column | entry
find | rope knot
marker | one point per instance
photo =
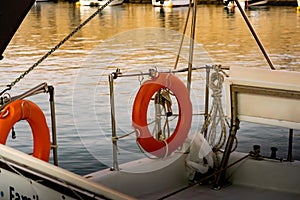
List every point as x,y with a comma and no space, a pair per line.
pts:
216,82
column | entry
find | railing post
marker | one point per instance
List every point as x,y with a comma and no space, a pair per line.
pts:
191,50
206,98
53,123
234,126
111,78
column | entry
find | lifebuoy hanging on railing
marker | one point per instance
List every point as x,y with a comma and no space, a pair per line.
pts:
27,110
140,108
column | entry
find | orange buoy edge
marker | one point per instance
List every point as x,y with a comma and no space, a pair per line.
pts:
27,110
139,114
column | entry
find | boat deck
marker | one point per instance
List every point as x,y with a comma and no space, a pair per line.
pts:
230,192
249,180
227,193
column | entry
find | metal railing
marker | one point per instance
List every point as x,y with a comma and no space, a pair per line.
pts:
152,72
41,88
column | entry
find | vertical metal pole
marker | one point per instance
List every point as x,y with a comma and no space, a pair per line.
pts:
233,129
191,53
113,123
290,147
206,98
53,122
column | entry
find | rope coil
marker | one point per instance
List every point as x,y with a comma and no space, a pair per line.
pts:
216,115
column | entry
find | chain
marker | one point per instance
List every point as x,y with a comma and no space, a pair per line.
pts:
10,86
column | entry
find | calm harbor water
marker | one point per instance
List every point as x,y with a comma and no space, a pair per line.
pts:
135,38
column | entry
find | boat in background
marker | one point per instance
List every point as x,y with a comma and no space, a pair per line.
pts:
252,3
39,1
170,3
230,4
98,2
186,164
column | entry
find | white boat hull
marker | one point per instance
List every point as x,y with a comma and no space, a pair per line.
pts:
148,178
245,4
170,3
27,177
18,187
99,3
259,3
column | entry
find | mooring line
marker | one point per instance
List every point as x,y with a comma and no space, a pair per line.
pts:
203,179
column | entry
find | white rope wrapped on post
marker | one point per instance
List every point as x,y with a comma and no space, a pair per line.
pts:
216,116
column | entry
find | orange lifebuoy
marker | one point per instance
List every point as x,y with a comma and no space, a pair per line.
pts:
139,114
24,109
